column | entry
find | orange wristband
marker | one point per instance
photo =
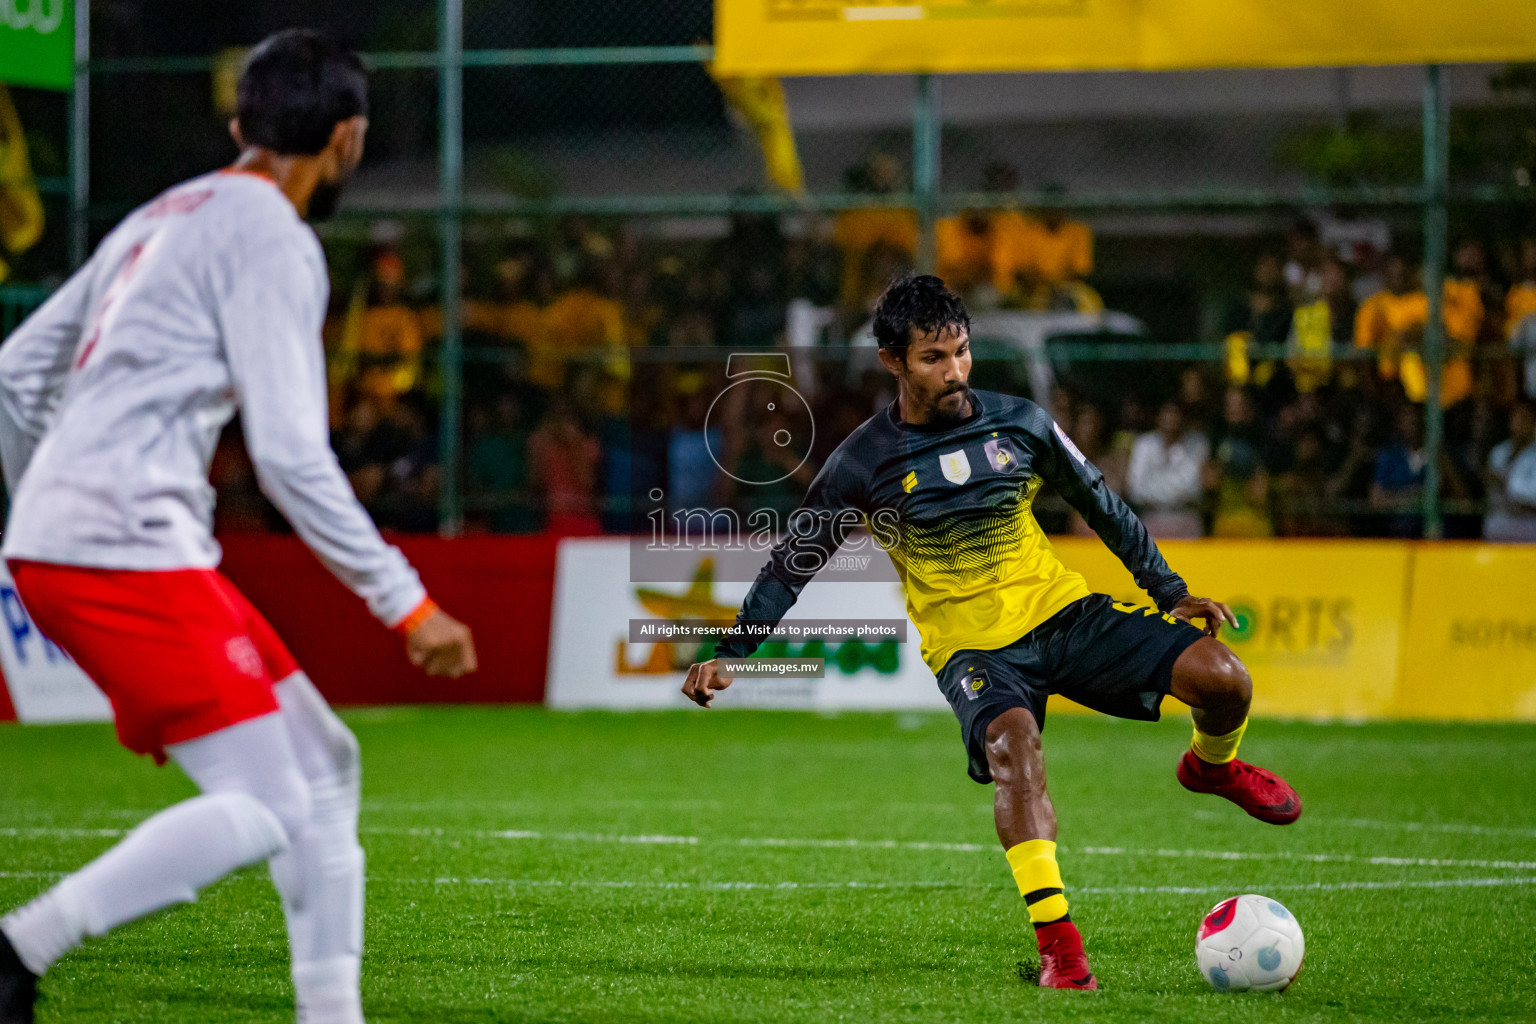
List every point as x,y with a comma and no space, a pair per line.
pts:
421,613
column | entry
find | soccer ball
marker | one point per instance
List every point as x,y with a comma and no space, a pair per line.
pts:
1249,942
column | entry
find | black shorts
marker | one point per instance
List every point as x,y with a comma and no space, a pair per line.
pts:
1113,658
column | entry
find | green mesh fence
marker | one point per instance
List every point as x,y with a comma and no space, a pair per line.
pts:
607,187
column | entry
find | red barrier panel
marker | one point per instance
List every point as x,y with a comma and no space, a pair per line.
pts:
7,709
501,587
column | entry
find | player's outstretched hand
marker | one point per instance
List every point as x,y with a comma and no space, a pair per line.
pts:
704,680
1213,613
442,646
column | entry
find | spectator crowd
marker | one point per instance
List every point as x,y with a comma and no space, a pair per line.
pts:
594,357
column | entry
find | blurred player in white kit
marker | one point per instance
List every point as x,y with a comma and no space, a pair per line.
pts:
112,397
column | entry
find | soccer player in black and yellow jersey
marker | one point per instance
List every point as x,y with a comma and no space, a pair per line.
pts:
1003,622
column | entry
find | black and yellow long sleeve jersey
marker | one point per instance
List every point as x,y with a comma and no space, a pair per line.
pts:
952,506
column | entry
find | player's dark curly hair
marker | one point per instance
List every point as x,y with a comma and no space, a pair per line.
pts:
296,87
921,301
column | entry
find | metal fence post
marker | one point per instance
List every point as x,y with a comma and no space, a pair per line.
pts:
80,140
1436,171
450,63
926,137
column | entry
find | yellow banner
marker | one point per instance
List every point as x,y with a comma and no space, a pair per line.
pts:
1321,621
1470,646
762,105
818,37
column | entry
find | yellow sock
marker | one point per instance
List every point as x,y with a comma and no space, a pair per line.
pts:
1039,878
1218,749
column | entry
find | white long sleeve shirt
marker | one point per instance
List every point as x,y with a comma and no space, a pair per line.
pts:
114,392
1515,469
1164,477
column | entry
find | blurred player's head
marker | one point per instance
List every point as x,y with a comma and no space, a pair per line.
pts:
924,334
304,98
1170,422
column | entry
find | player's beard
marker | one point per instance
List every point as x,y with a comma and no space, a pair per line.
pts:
941,416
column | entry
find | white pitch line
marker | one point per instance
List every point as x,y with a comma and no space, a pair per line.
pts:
869,844
1404,883
1314,858
1453,828
559,883
671,840
1116,890
373,804
1450,827
41,831
557,837
389,806
894,844
767,842
1112,890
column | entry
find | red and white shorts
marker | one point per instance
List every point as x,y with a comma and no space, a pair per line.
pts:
180,654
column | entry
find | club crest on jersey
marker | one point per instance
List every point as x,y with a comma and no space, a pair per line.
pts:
242,654
956,467
973,682
1001,456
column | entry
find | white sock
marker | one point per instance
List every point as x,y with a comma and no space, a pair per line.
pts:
161,863
320,877
44,930
327,991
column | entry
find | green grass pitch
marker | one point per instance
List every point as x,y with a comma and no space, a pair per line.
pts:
743,866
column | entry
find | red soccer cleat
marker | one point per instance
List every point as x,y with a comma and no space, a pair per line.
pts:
1261,793
1063,964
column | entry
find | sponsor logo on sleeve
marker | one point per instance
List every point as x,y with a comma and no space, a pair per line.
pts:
1062,434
